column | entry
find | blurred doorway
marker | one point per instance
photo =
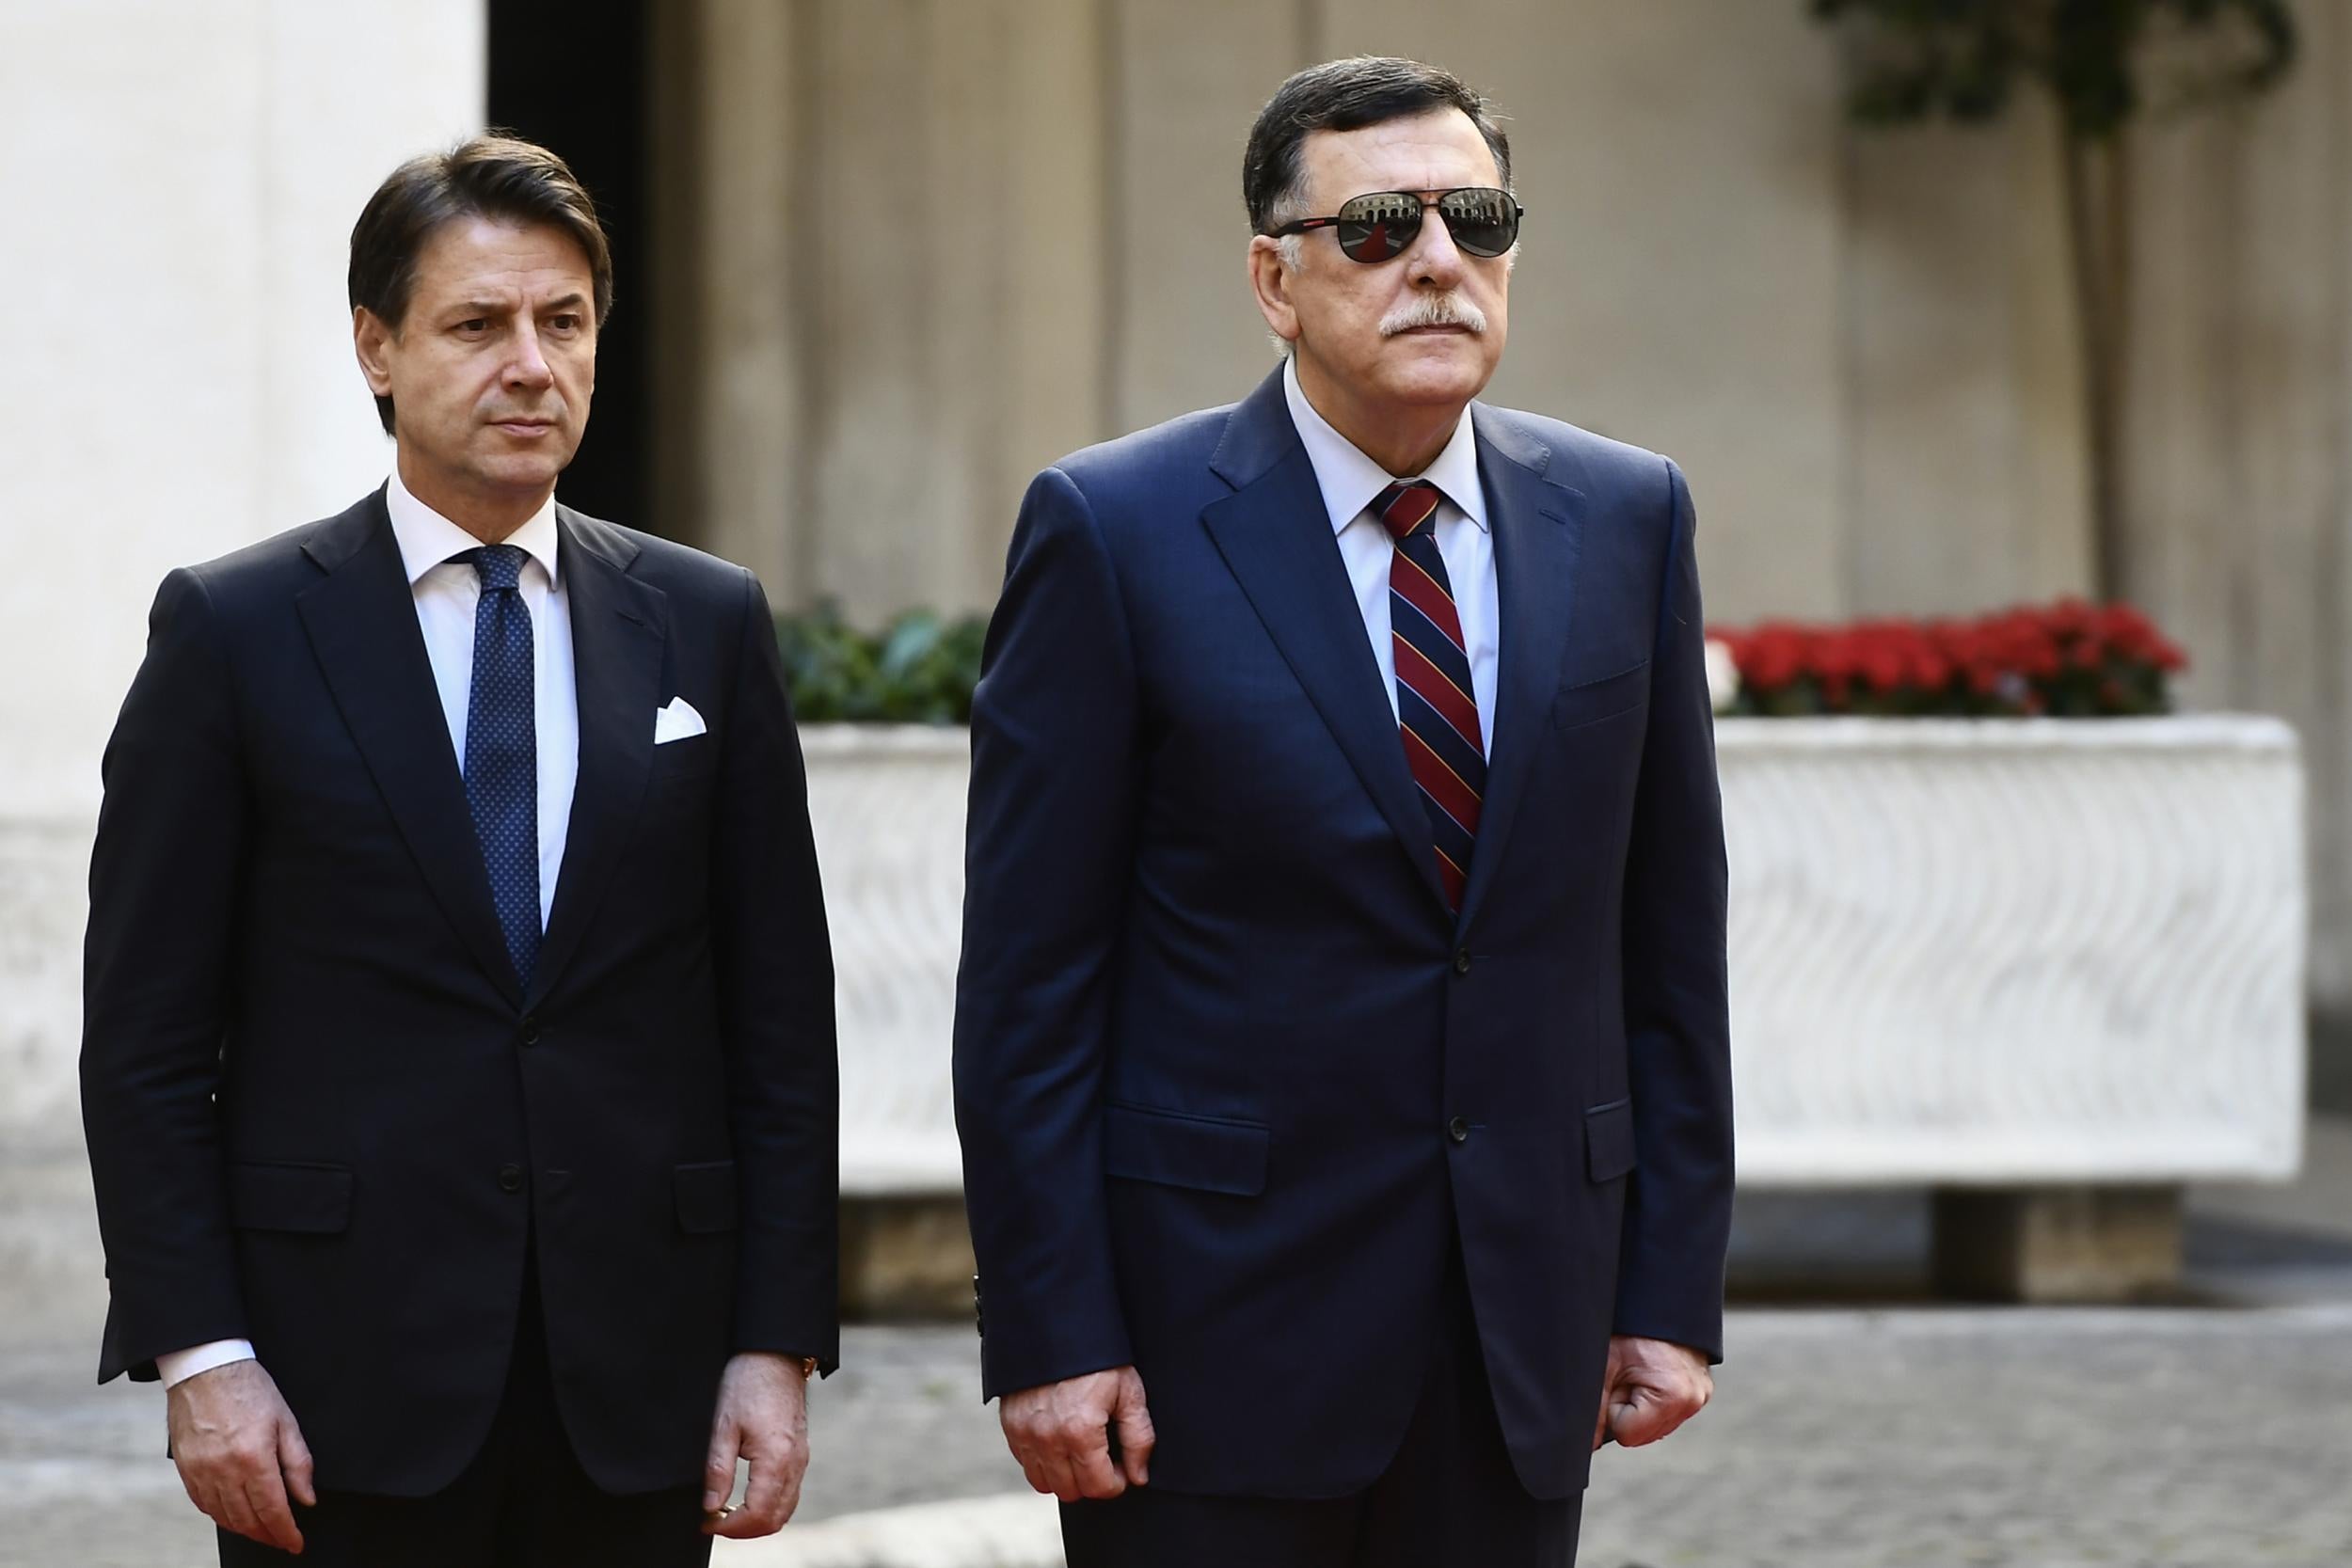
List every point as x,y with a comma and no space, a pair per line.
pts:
570,74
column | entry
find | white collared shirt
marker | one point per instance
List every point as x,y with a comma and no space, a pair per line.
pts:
446,594
1351,481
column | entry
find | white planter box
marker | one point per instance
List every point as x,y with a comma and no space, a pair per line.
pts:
1995,951
2015,951
887,805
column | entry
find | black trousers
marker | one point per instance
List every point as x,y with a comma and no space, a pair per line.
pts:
1449,1500
523,1502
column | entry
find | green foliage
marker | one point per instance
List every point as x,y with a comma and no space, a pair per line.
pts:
920,670
2104,60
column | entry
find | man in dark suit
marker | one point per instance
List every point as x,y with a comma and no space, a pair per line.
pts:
1341,1047
458,1058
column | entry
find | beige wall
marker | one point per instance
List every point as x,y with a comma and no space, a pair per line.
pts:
1857,344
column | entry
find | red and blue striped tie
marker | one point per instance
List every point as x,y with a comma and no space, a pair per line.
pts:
1435,703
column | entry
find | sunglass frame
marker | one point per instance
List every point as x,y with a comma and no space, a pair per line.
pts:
1427,201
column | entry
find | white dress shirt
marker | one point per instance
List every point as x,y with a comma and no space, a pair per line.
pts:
446,593
1351,481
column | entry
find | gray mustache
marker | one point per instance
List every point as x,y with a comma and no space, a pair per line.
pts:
1446,309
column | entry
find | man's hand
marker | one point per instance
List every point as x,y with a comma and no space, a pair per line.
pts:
1652,1387
240,1453
763,1417
1061,1435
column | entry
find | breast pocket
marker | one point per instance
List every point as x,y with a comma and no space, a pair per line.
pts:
687,759
1591,701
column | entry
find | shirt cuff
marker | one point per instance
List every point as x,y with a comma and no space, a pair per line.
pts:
178,1366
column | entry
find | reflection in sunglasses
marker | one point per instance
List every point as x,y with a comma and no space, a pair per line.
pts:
1381,225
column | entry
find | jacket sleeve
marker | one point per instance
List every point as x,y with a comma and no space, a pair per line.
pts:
1047,865
773,960
155,991
1677,1214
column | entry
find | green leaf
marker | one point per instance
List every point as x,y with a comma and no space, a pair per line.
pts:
921,668
1965,59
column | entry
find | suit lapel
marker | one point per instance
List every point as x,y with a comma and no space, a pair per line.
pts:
1538,526
619,634
361,619
1275,538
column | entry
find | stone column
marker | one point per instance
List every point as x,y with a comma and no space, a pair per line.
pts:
732,227
882,250
1188,80
2238,496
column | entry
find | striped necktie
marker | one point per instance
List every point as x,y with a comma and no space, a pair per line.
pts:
1435,704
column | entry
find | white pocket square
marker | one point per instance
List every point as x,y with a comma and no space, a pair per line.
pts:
677,721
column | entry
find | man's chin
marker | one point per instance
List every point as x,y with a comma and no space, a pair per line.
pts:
1431,379
518,472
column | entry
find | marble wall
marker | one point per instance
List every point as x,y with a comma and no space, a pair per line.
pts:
177,378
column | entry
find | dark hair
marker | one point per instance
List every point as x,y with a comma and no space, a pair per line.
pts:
1349,95
494,175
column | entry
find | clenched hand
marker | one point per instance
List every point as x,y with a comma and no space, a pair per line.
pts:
1653,1387
762,1417
1060,1433
240,1453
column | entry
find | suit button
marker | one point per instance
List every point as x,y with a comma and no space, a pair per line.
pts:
529,1032
1458,1130
1461,962
510,1179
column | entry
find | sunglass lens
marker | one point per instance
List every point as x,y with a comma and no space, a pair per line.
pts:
1375,228
1483,222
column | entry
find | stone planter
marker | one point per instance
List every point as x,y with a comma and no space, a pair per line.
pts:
887,805
2053,968
2015,951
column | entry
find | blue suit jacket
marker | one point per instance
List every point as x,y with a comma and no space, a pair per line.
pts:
1228,1075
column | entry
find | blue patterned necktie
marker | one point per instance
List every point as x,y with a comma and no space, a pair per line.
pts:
502,750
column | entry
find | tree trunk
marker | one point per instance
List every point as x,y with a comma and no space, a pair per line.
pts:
2098,221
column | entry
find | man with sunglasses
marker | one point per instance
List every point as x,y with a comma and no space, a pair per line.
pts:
1341,1053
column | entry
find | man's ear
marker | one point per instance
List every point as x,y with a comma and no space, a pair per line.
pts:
369,338
1271,277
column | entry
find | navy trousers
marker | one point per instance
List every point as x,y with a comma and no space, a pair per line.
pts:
1449,1500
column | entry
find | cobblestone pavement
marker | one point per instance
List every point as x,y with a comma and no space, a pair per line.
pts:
2217,1438
2215,1434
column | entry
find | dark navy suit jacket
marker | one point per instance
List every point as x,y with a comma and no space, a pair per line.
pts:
1230,1077
323,1112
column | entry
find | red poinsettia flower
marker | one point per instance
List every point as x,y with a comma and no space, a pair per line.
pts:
2072,659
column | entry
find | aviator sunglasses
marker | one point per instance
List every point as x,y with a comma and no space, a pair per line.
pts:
1383,224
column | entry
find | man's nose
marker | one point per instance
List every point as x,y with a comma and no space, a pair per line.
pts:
1436,261
529,366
